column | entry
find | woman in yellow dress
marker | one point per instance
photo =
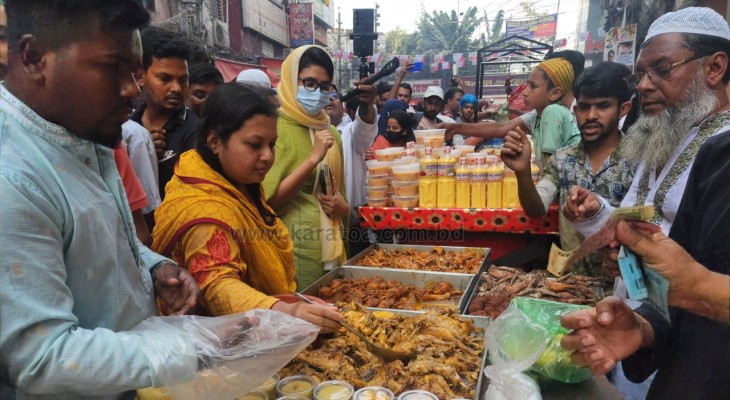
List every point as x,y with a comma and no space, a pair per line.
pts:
214,219
308,145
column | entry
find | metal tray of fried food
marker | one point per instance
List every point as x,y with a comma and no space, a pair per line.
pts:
419,279
355,261
479,322
473,291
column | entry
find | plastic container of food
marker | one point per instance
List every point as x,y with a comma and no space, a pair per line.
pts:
404,189
297,386
389,154
378,167
378,180
255,396
269,387
405,201
333,390
417,395
374,393
464,149
434,141
377,202
439,153
377,192
406,173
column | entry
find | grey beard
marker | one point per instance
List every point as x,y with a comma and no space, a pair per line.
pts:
655,138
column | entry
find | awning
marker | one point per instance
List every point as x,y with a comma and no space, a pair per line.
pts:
230,69
273,64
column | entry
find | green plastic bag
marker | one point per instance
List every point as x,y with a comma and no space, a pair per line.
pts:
534,324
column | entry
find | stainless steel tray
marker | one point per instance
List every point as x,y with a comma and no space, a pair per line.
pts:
420,279
473,289
479,322
392,247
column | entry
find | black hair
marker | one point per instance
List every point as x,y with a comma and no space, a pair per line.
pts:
319,57
226,110
604,80
406,123
451,93
383,87
706,45
159,43
56,23
405,85
205,73
352,103
575,58
199,55
611,52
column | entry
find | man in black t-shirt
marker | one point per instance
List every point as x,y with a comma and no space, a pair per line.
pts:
165,87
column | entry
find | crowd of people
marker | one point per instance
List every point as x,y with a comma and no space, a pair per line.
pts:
135,182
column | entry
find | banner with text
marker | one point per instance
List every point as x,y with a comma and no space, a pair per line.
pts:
493,85
420,86
301,24
533,28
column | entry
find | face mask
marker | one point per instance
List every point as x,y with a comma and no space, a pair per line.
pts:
393,136
313,102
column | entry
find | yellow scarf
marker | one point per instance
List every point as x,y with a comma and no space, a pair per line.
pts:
333,248
287,92
197,194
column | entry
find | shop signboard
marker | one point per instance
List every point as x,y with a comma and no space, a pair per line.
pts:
533,28
301,24
620,45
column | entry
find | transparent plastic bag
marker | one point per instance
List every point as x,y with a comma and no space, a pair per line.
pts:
235,353
526,337
514,342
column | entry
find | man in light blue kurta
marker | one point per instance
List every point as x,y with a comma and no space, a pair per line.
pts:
73,277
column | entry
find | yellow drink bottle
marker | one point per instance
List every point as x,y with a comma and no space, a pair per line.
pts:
479,185
494,183
462,177
510,194
427,184
446,182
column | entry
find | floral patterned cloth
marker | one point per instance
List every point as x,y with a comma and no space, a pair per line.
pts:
571,166
210,227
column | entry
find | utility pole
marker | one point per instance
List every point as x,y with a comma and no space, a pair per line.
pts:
339,48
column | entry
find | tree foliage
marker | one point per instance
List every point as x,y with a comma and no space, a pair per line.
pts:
445,31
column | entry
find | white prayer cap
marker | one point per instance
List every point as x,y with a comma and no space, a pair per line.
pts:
254,77
698,20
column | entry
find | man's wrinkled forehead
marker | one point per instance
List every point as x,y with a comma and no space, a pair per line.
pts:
661,50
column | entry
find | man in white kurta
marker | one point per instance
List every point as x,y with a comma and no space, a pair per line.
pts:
357,137
680,101
680,75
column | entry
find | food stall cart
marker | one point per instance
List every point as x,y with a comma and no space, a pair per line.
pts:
502,230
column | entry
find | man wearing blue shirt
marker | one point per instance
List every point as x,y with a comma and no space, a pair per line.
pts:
74,277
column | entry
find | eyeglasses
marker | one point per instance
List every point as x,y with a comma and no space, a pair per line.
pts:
656,74
311,84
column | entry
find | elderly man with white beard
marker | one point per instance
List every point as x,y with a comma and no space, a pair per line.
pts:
681,76
682,103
